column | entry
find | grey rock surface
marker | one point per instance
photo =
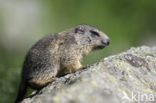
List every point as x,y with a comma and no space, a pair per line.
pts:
129,77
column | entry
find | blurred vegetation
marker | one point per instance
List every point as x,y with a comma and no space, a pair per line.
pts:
127,22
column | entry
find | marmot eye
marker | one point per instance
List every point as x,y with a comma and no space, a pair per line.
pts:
94,33
78,30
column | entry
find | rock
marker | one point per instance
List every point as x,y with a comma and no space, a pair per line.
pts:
129,77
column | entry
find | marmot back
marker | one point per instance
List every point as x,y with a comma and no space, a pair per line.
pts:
56,54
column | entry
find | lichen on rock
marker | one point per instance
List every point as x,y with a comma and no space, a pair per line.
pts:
129,77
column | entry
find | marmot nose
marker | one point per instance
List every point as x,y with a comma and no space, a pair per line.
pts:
106,42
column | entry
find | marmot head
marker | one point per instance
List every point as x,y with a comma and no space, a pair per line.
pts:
91,36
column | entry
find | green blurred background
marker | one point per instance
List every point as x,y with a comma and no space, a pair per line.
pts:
128,23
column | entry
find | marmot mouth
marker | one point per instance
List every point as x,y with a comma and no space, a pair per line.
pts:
99,47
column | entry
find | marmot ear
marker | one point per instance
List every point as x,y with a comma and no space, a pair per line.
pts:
79,30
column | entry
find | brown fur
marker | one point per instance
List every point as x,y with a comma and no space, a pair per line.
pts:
54,54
